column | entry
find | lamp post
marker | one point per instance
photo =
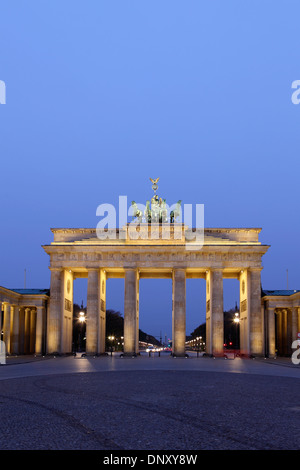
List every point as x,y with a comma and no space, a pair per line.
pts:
237,322
1,322
82,320
111,338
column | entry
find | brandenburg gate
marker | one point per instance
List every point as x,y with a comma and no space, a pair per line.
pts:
153,249
154,245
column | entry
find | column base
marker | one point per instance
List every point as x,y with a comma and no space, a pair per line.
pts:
128,354
180,355
52,354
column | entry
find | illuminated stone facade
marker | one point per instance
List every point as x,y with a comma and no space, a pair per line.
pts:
23,320
226,253
41,321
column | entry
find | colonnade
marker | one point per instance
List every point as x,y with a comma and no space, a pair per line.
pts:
23,329
251,313
283,325
37,319
268,324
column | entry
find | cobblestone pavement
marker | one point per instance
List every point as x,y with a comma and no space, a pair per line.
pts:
149,404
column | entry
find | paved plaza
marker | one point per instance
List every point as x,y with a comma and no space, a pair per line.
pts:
149,403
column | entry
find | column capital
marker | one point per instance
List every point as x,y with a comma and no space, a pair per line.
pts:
179,271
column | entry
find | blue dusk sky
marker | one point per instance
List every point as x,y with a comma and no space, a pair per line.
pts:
101,95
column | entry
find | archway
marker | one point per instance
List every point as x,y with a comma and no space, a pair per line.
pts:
155,311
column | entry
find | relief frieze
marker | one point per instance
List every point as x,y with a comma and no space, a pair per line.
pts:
120,258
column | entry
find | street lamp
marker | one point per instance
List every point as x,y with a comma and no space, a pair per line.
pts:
236,318
236,321
82,320
236,315
81,317
111,338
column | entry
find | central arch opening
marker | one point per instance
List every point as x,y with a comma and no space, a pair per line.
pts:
79,322
114,327
155,310
195,315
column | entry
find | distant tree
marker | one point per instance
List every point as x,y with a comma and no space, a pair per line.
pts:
114,323
145,337
231,330
114,329
199,331
79,329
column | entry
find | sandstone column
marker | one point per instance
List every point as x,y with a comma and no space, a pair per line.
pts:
102,317
289,334
179,312
55,313
22,330
294,323
27,331
256,324
245,282
284,332
279,331
92,312
1,318
66,311
40,315
271,331
32,330
6,327
138,313
130,312
214,312
15,317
